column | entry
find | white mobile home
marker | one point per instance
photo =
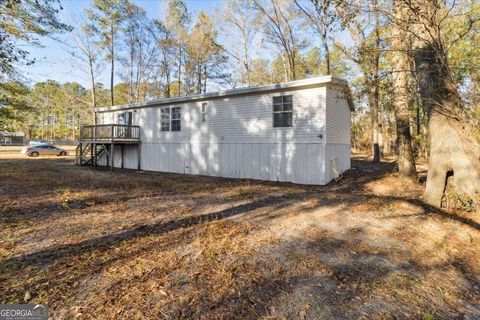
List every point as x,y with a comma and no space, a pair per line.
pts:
297,131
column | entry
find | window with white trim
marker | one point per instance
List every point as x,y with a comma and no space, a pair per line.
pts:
176,119
165,119
204,112
170,119
282,111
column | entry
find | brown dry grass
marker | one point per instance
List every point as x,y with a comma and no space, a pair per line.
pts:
102,245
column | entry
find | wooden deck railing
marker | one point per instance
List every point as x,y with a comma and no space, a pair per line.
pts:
111,132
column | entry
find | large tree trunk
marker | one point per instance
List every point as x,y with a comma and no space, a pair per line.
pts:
451,151
401,67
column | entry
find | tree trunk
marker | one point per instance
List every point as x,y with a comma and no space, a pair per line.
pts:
205,77
179,71
376,82
373,102
327,51
401,67
92,81
451,152
112,71
293,73
167,88
199,78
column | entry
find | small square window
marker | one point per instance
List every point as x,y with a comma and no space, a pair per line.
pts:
282,111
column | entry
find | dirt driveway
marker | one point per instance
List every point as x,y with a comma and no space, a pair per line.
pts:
134,245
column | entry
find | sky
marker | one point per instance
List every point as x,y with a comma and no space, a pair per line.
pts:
53,61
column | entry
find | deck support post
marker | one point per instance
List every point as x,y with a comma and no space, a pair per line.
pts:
112,163
108,156
122,154
81,155
91,154
139,155
95,155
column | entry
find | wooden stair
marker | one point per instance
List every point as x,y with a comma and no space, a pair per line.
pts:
88,153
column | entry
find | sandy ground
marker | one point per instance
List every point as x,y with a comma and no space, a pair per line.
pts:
100,245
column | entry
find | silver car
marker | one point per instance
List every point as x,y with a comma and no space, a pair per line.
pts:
44,150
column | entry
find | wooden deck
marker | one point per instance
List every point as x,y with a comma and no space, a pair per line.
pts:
110,133
100,140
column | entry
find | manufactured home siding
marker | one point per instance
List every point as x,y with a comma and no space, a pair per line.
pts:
338,128
238,140
245,119
338,117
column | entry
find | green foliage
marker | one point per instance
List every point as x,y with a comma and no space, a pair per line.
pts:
260,72
178,16
204,55
57,110
14,103
105,17
20,23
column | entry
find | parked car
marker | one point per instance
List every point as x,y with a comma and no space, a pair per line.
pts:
36,143
44,150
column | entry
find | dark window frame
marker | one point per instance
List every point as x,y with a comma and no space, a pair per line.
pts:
176,119
171,119
282,107
165,119
204,111
127,118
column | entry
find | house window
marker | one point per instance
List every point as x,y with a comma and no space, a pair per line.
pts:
165,119
176,119
204,112
170,119
282,111
125,118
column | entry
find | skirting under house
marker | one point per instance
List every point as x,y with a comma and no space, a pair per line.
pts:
297,131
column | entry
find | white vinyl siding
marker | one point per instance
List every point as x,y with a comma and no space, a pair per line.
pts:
238,139
338,117
338,126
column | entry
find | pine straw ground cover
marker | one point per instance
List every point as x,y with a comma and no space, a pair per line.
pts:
137,245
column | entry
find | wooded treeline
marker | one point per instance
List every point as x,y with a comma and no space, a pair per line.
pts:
413,66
